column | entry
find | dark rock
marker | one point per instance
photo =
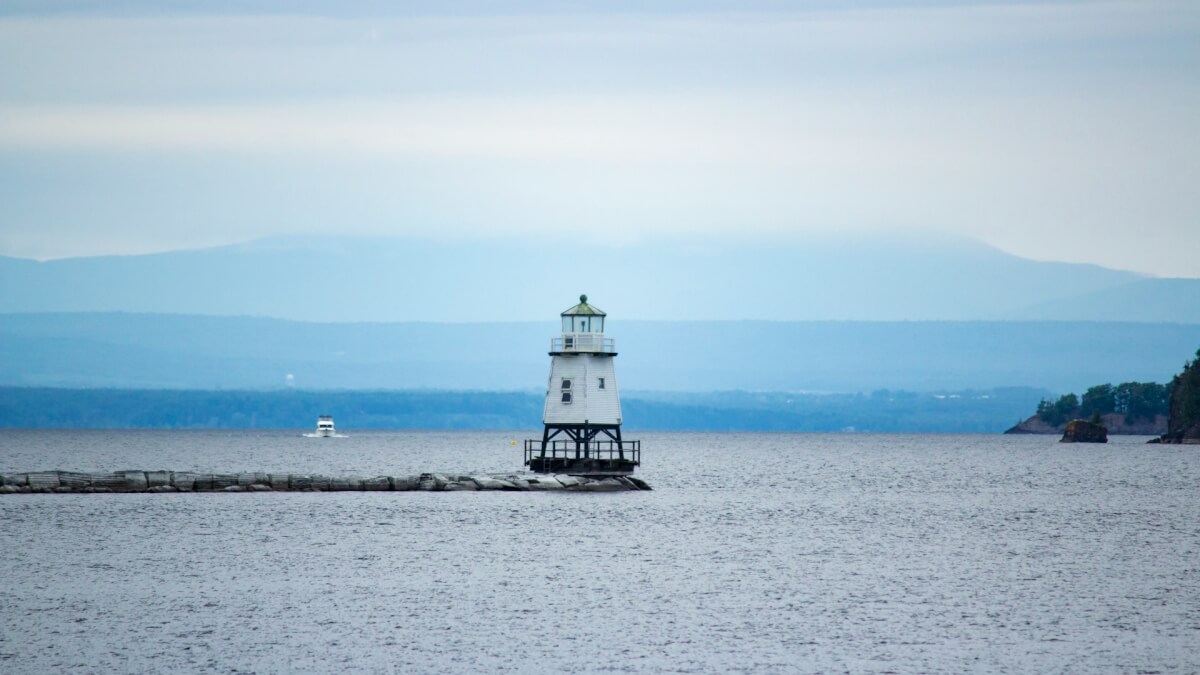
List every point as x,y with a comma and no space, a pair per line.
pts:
602,485
110,482
1083,431
44,480
133,481
378,483
641,484
433,482
74,479
405,483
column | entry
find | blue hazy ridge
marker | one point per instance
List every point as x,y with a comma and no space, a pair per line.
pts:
863,278
172,351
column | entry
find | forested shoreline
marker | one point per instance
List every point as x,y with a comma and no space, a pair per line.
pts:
1135,400
983,411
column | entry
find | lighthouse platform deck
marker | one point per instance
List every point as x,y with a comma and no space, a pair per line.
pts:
594,458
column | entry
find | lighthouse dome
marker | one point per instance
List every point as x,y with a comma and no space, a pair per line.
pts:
583,318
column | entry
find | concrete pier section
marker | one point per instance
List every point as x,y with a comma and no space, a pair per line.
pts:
186,481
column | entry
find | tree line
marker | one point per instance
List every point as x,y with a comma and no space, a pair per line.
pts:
1135,400
1184,421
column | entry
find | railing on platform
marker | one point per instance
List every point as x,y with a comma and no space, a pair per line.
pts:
627,451
583,343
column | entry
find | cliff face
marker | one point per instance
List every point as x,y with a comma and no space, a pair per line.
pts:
1115,422
1183,426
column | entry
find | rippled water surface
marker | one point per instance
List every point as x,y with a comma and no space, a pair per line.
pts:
754,553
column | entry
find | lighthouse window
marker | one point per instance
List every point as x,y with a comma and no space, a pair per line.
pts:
566,397
602,383
566,383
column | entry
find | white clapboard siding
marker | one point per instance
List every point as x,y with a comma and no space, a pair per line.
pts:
589,403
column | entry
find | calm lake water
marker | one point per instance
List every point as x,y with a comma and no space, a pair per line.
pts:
754,553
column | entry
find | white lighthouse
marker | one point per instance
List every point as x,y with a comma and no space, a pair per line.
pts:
582,414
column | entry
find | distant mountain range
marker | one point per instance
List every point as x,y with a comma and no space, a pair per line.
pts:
196,352
861,278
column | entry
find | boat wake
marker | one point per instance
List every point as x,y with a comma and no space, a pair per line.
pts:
312,435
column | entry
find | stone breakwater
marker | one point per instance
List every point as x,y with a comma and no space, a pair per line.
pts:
185,481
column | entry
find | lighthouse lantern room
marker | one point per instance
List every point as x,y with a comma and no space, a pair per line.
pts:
582,415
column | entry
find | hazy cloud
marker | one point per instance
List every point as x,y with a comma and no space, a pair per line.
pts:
1058,130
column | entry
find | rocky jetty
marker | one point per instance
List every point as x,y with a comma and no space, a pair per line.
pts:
1183,424
186,481
1083,431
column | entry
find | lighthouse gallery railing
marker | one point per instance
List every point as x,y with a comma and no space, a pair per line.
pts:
583,343
595,449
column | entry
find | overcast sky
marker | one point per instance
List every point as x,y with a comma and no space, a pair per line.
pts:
1057,131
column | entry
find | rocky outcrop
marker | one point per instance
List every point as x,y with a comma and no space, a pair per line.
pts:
1183,425
1035,425
1083,431
186,481
1116,424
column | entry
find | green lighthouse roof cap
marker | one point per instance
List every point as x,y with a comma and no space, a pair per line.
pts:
584,309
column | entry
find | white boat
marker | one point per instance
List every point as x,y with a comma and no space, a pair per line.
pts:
325,426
